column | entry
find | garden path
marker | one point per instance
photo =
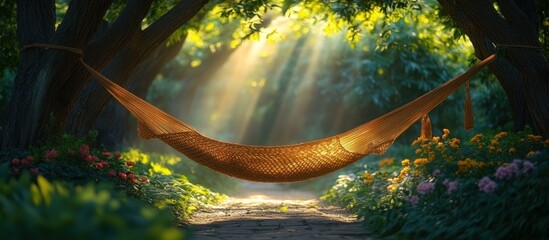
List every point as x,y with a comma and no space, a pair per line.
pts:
271,212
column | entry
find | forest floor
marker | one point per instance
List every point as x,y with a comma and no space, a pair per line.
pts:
271,212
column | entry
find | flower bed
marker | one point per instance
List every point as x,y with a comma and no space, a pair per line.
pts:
493,186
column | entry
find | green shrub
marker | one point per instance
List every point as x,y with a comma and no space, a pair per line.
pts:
493,186
135,173
60,210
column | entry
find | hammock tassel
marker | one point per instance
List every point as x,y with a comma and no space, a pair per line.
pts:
426,129
468,108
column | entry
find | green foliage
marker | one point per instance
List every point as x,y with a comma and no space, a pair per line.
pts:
490,187
58,210
6,86
8,38
168,164
167,189
136,174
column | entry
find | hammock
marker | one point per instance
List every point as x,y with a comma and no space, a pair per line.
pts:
279,163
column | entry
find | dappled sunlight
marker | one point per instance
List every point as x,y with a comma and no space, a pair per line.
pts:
267,79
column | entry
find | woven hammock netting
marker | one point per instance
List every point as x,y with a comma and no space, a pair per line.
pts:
280,163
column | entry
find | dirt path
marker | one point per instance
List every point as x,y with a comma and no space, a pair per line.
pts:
271,213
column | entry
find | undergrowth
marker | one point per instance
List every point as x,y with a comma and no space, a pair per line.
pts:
493,186
68,187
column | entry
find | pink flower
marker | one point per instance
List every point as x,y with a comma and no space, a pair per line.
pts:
130,163
106,154
487,185
89,159
25,162
527,166
452,186
117,155
425,187
50,154
34,171
436,172
413,199
15,161
84,151
102,164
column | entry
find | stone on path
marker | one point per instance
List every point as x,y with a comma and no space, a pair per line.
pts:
275,214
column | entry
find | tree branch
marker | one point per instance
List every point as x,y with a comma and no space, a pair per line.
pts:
162,28
118,34
79,23
517,18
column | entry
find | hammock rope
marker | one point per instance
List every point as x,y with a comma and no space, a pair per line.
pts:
285,163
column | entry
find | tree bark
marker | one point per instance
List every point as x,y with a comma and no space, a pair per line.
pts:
94,97
115,125
41,71
523,72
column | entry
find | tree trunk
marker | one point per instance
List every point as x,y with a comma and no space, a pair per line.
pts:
94,97
49,81
523,72
42,72
115,125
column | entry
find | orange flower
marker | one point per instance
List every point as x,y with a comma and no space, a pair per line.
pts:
531,154
403,172
386,162
454,143
446,133
534,138
421,161
368,178
512,151
500,135
477,137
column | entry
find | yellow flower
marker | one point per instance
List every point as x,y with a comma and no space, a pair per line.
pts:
436,139
454,143
386,162
512,151
405,162
368,178
465,165
421,161
403,172
501,134
446,133
418,140
418,151
531,154
534,138
432,155
477,137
